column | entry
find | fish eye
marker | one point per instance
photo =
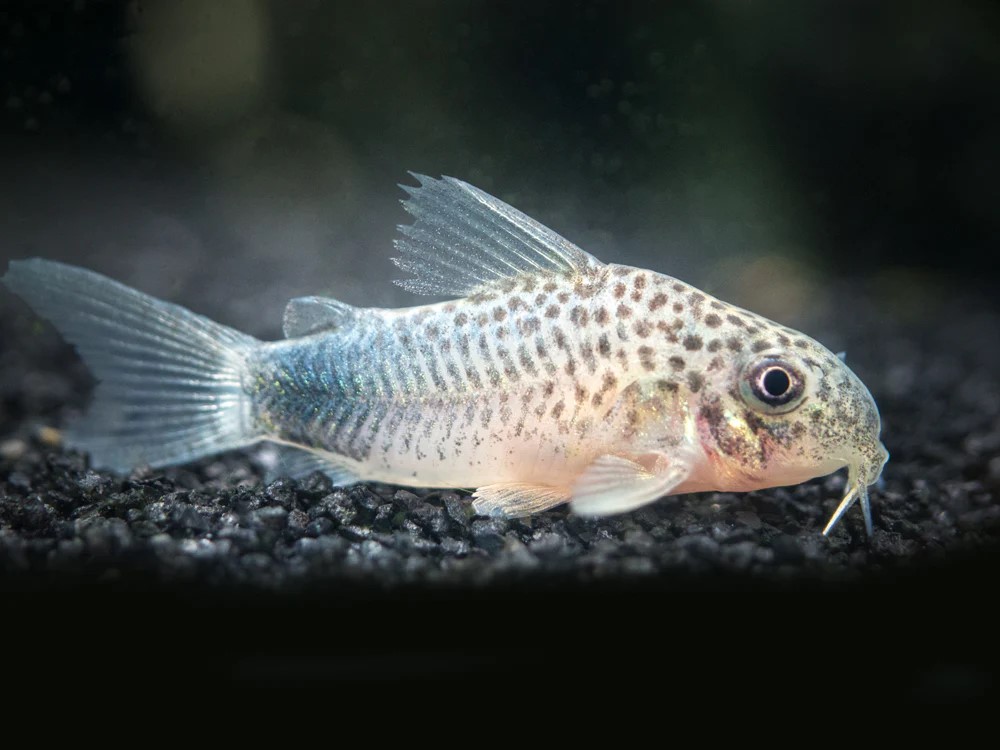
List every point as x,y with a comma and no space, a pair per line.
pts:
772,384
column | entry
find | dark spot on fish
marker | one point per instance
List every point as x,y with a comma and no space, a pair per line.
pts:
608,382
716,364
480,297
482,319
580,316
541,349
646,357
658,301
624,311
712,320
548,388
508,284
735,320
445,346
760,345
550,286
580,392
516,302
678,307
552,311
734,344
695,381
529,284
643,328
692,343
604,345
571,367
596,400
755,423
714,345
501,332
585,290
461,319
716,305
602,316
540,299
619,290
529,325
676,363
784,340
801,343
525,360
560,338
679,287
640,281
668,386
563,297
499,314
636,295
751,330
816,365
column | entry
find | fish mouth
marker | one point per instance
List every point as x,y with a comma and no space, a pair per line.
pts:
862,472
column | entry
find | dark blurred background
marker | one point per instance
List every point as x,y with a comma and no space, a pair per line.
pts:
232,154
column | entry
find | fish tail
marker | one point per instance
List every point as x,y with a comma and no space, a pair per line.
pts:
170,382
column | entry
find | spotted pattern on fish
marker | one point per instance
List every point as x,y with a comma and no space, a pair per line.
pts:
551,377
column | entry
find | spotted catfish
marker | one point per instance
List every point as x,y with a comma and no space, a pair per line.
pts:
553,378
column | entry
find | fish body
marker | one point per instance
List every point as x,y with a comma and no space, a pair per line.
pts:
553,377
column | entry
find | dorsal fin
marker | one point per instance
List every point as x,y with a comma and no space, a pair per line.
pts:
306,315
464,238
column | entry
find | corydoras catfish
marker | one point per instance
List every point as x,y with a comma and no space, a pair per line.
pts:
552,378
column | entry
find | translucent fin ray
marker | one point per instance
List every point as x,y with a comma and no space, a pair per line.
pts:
612,484
299,463
516,499
170,382
308,315
463,239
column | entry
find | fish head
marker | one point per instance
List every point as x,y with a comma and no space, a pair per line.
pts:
784,414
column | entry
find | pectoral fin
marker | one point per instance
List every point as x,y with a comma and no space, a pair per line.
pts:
515,499
612,484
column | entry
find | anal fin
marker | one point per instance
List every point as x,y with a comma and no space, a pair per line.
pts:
299,463
516,499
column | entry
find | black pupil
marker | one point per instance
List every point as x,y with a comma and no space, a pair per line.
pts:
776,382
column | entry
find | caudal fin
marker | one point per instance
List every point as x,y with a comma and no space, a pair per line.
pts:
170,382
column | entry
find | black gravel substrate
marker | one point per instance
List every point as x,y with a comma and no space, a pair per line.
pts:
215,523
392,564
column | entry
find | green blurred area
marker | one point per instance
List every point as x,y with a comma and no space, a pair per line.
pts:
755,149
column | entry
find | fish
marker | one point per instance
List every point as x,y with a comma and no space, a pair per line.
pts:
545,377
